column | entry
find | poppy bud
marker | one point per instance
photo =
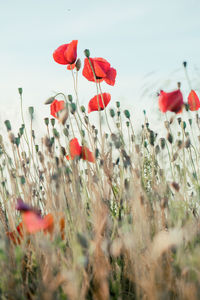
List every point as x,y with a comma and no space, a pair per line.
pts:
166,124
127,114
66,132
73,108
175,186
21,131
8,125
96,153
17,141
52,140
186,107
36,148
190,122
127,124
118,104
152,137
179,120
78,64
31,111
53,122
112,113
86,120
187,143
46,121
96,132
170,138
145,144
87,53
185,64
49,100
83,109
144,112
22,179
11,137
56,133
20,90
118,113
179,144
70,98
179,85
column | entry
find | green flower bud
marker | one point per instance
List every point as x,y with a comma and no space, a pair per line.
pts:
36,148
127,114
78,64
118,104
8,125
87,53
53,122
46,121
31,111
185,64
112,113
56,133
66,132
73,108
83,109
70,98
20,90
49,100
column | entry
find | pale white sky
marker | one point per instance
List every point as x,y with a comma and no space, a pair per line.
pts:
146,41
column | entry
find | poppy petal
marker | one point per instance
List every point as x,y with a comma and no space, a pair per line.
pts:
56,106
74,148
87,155
96,102
71,66
193,101
71,52
59,55
110,76
33,222
172,101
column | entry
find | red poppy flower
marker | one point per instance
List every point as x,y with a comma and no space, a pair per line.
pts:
66,54
193,101
102,70
96,102
79,151
56,106
171,101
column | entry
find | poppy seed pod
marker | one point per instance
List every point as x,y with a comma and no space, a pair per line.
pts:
78,64
190,122
87,53
170,138
36,148
46,121
73,108
83,109
179,84
8,125
70,98
162,143
31,111
53,122
127,114
118,104
20,90
112,113
56,133
185,64
66,132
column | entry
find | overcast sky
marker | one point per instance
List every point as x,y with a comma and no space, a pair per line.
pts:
146,41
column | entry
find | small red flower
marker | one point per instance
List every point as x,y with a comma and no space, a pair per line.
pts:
193,101
66,54
17,235
56,106
102,70
96,102
79,151
171,101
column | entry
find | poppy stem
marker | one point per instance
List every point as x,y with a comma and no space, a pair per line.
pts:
104,108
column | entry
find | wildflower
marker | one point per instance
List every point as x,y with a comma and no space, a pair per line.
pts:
193,101
171,101
101,68
56,106
97,103
17,235
66,54
79,151
32,219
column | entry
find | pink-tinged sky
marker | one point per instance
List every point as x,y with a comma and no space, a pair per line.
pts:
146,41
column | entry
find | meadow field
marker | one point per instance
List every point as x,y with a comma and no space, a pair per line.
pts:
97,210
